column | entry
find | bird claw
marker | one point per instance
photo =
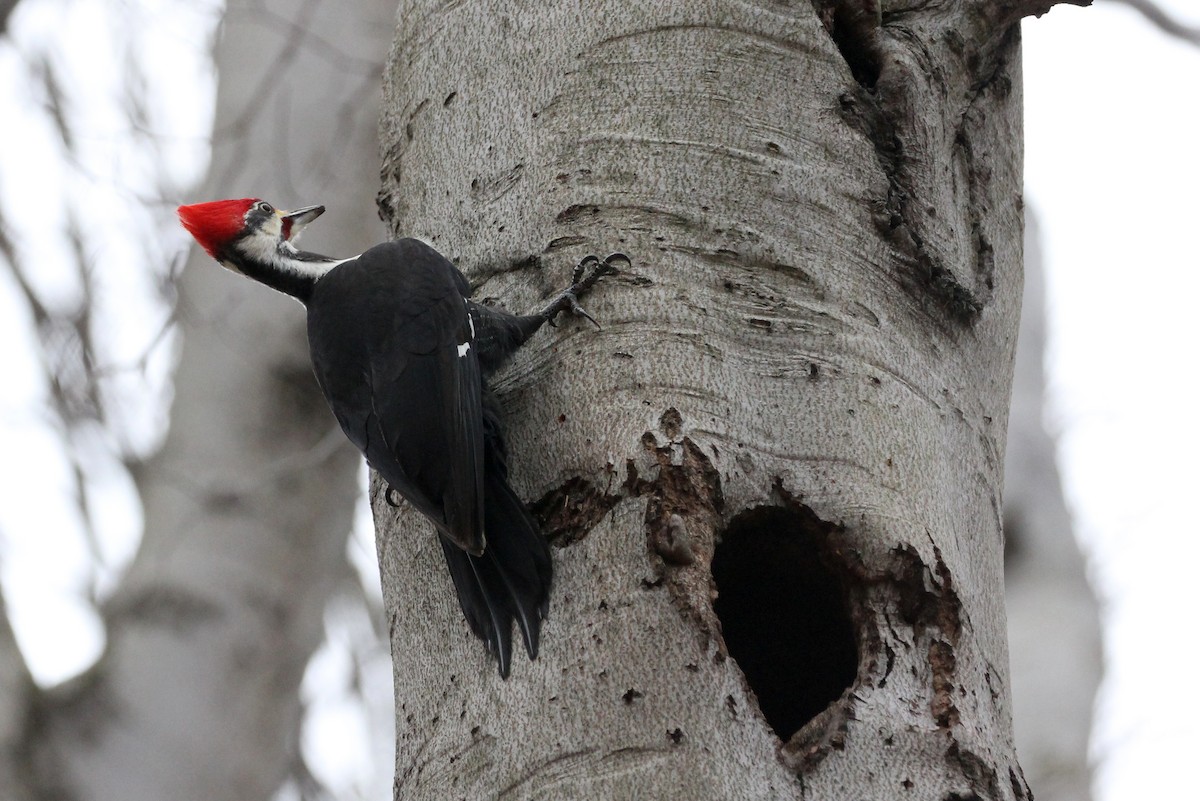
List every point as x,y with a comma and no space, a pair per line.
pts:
582,280
391,497
579,310
584,263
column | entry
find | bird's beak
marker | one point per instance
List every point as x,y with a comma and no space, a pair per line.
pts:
294,221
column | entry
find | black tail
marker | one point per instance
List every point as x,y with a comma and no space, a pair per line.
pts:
511,581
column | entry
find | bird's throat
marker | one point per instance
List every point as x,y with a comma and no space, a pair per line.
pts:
281,267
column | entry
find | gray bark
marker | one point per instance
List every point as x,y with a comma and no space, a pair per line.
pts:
249,502
1053,619
820,319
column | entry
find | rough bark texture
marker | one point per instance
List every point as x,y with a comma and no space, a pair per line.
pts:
249,503
1056,657
810,357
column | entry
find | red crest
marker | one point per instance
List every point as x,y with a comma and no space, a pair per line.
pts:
215,224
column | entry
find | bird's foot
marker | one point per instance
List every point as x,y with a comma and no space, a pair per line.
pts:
585,275
391,497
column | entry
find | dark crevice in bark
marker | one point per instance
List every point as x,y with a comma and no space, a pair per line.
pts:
856,28
984,781
784,614
853,25
993,83
863,111
881,109
1020,788
480,274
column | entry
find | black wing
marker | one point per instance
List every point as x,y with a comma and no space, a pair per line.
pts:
396,353
392,346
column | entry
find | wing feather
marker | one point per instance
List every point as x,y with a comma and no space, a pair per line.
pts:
387,332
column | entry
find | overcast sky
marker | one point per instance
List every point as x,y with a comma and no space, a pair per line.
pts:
1111,168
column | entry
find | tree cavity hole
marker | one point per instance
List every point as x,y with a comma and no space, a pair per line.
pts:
784,614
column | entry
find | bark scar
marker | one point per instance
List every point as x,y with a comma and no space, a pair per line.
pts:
683,514
569,511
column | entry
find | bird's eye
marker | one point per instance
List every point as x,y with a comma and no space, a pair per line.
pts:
264,207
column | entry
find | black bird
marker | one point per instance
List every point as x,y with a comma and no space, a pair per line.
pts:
402,355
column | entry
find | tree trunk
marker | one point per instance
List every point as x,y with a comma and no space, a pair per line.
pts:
797,404
249,503
17,692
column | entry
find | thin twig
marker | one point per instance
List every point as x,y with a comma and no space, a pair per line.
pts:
1164,21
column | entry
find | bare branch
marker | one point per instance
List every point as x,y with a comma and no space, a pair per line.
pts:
56,100
6,8
1164,21
8,254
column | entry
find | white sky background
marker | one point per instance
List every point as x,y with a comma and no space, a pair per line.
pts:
1111,166
1112,170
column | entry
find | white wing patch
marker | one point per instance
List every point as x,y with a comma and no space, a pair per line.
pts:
466,346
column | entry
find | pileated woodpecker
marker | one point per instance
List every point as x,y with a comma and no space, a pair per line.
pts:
402,355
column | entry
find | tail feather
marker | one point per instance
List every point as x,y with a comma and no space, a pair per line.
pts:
521,557
510,581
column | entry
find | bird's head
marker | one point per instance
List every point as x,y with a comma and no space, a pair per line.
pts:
248,229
